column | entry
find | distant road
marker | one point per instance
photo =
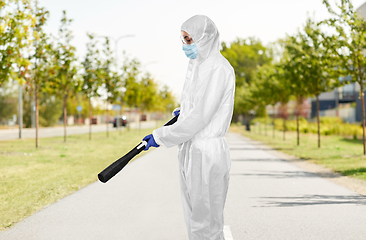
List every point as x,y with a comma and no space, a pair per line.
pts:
7,134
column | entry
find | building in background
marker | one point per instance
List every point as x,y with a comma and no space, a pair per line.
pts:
344,101
340,102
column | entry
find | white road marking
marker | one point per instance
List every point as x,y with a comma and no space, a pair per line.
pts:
227,233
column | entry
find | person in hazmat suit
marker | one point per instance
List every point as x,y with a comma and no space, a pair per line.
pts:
205,114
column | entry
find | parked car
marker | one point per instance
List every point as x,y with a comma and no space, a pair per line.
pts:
122,121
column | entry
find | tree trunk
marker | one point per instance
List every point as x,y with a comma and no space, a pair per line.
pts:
140,118
298,130
284,129
265,126
106,117
36,91
363,118
20,110
318,118
37,120
128,124
90,118
255,130
273,121
65,117
120,130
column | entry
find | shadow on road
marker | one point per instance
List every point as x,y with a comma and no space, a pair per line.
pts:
261,149
307,200
262,160
287,174
247,144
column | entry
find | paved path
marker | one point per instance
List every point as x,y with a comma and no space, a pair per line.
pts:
269,198
6,134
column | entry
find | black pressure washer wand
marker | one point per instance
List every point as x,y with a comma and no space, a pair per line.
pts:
119,164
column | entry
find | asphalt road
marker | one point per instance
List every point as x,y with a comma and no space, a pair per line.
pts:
268,198
7,134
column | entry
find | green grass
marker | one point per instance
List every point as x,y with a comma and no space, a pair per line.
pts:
340,154
31,178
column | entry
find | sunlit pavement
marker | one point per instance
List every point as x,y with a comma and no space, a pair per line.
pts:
268,198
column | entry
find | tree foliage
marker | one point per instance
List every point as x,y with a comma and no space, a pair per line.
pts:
48,68
16,20
165,100
8,102
246,56
91,78
65,80
349,44
131,78
149,97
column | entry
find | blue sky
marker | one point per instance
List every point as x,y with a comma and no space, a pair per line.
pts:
156,26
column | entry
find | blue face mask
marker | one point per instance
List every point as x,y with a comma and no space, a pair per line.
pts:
190,50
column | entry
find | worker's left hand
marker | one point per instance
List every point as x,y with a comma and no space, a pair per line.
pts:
150,142
176,112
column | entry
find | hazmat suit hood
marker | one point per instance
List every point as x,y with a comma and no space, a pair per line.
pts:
204,34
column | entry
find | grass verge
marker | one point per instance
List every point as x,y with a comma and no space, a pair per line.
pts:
31,178
340,154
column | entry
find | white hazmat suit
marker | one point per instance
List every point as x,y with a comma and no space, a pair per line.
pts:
206,110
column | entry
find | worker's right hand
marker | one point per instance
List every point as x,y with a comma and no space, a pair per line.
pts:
176,112
150,142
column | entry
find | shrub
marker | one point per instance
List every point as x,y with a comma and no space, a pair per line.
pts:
328,126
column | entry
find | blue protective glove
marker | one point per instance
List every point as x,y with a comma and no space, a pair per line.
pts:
150,142
176,113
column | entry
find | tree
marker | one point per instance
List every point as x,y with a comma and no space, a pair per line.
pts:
110,78
16,19
284,92
150,89
150,94
15,22
40,69
245,55
8,102
64,82
130,76
349,44
79,100
165,100
6,50
294,71
318,63
268,88
50,109
260,99
91,78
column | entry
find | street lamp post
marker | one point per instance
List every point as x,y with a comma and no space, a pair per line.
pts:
116,60
116,48
116,45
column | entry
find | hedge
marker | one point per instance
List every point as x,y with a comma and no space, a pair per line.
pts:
328,126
